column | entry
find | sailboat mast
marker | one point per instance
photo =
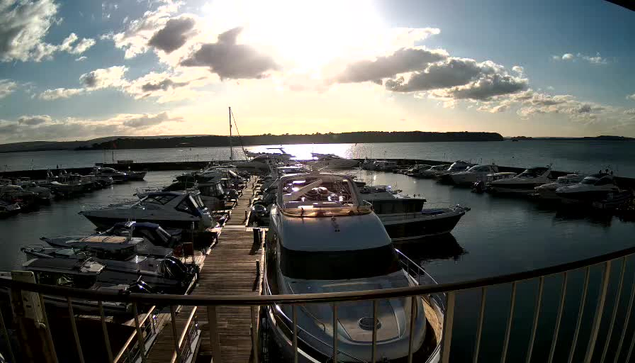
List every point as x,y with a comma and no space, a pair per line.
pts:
231,149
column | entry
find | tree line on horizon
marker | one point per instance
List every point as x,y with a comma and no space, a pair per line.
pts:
269,139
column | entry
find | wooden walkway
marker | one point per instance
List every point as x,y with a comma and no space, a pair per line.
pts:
231,268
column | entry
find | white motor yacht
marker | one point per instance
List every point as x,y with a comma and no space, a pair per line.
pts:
474,174
548,191
593,188
434,171
181,210
523,183
455,167
116,175
404,217
332,162
324,238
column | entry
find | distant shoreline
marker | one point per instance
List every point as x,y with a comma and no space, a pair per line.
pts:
180,142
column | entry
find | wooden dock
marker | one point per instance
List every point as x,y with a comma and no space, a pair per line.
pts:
231,268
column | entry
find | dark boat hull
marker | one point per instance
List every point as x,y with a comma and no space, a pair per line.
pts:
415,229
103,223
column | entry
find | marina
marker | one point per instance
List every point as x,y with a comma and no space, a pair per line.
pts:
235,264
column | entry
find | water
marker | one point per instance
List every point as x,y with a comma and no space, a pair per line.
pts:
498,236
567,155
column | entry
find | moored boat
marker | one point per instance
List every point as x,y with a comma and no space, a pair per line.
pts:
324,238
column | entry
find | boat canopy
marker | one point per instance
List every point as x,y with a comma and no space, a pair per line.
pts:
319,195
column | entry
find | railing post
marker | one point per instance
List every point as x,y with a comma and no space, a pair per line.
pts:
530,350
335,350
585,289
254,334
413,313
510,320
563,296
447,327
599,310
104,330
78,344
294,318
616,307
212,321
479,329
177,348
629,309
140,339
374,346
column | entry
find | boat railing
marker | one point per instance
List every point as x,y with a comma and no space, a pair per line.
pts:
421,276
577,338
134,346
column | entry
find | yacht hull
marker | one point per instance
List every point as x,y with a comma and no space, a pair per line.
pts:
413,226
107,222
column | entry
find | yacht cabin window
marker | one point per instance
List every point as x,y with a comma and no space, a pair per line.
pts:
186,206
159,199
338,265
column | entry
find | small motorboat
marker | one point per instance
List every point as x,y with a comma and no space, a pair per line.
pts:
404,217
116,175
473,174
8,209
523,183
455,167
433,172
548,191
332,162
167,275
81,274
597,188
180,210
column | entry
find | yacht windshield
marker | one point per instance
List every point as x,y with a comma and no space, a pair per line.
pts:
532,173
589,180
338,265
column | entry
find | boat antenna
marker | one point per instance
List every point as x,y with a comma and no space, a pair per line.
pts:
231,149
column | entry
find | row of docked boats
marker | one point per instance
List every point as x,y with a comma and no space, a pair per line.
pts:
599,190
23,194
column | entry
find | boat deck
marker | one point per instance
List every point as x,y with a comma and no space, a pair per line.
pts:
231,268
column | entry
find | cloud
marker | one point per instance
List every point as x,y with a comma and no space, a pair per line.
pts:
460,78
103,78
169,86
145,121
164,85
174,35
518,69
630,111
82,58
401,61
7,87
54,94
230,60
23,25
134,40
631,97
34,120
597,59
45,127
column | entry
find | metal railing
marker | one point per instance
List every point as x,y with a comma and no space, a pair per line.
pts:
619,259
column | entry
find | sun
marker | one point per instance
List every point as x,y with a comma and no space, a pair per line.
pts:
304,36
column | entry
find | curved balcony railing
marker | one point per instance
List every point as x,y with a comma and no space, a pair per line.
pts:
448,290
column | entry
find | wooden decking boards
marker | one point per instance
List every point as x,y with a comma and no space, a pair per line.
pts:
229,269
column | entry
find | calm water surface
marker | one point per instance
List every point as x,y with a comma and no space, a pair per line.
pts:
498,236
566,155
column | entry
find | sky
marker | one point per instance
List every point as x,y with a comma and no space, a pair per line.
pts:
76,70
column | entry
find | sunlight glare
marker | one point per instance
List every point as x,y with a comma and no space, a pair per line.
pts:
303,35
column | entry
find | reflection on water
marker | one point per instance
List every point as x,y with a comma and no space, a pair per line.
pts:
443,247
